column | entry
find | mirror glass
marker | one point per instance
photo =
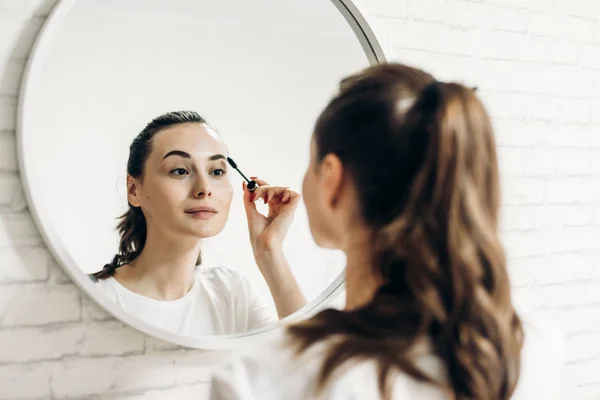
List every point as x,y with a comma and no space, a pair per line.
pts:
258,72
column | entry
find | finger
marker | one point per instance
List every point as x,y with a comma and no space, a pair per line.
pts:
269,192
273,194
249,204
289,194
282,197
259,181
259,193
288,200
293,197
248,195
287,206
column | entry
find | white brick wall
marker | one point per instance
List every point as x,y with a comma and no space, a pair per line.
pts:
537,66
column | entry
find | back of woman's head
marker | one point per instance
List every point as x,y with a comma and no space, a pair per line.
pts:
132,224
423,154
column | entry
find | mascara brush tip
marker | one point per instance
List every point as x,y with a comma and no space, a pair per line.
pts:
231,162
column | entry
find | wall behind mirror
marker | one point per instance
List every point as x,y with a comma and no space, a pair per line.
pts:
259,72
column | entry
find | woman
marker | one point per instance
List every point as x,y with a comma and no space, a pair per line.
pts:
179,193
403,178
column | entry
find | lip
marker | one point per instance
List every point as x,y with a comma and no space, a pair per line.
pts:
200,209
201,212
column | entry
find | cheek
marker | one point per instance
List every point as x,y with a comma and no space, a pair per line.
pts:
304,193
317,219
162,197
223,191
310,200
308,189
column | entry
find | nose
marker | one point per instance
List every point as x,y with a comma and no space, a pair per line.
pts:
203,187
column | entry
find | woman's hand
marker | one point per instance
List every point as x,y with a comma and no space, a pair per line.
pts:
267,233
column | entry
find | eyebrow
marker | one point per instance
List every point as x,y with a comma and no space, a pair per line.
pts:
217,157
177,153
186,155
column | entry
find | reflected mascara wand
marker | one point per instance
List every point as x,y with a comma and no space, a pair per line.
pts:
252,185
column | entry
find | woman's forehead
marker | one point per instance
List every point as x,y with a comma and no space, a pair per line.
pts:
193,138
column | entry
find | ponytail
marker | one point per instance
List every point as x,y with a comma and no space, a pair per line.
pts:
132,229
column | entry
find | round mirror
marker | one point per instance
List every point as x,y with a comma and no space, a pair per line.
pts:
218,78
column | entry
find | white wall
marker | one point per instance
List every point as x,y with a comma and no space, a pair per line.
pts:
537,65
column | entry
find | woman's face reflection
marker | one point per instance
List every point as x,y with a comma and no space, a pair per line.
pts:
185,190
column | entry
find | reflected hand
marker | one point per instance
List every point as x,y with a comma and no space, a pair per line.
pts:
267,233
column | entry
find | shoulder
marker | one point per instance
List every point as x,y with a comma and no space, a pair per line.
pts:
219,273
108,286
262,370
273,350
273,368
225,278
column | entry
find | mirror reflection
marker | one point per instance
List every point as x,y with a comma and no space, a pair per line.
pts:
179,192
128,173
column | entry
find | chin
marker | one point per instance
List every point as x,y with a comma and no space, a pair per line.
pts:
203,229
200,232
206,232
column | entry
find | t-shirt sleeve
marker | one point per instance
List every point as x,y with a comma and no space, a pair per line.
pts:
107,288
260,314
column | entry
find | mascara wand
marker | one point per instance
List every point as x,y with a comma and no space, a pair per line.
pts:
252,185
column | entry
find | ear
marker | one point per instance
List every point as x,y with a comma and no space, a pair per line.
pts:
331,179
132,191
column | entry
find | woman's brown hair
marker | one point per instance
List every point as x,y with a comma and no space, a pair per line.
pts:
424,156
132,224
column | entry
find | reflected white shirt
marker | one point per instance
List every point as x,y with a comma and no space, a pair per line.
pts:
220,302
272,371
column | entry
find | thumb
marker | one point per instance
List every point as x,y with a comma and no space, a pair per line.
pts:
249,203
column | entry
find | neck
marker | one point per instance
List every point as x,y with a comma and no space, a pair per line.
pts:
165,269
362,276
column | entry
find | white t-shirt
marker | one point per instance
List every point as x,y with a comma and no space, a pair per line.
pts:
221,301
272,371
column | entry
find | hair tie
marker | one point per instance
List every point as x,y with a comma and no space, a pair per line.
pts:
431,95
108,267
434,85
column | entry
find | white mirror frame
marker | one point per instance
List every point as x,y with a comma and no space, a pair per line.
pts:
41,218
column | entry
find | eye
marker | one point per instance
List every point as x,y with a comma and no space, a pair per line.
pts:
179,172
219,172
